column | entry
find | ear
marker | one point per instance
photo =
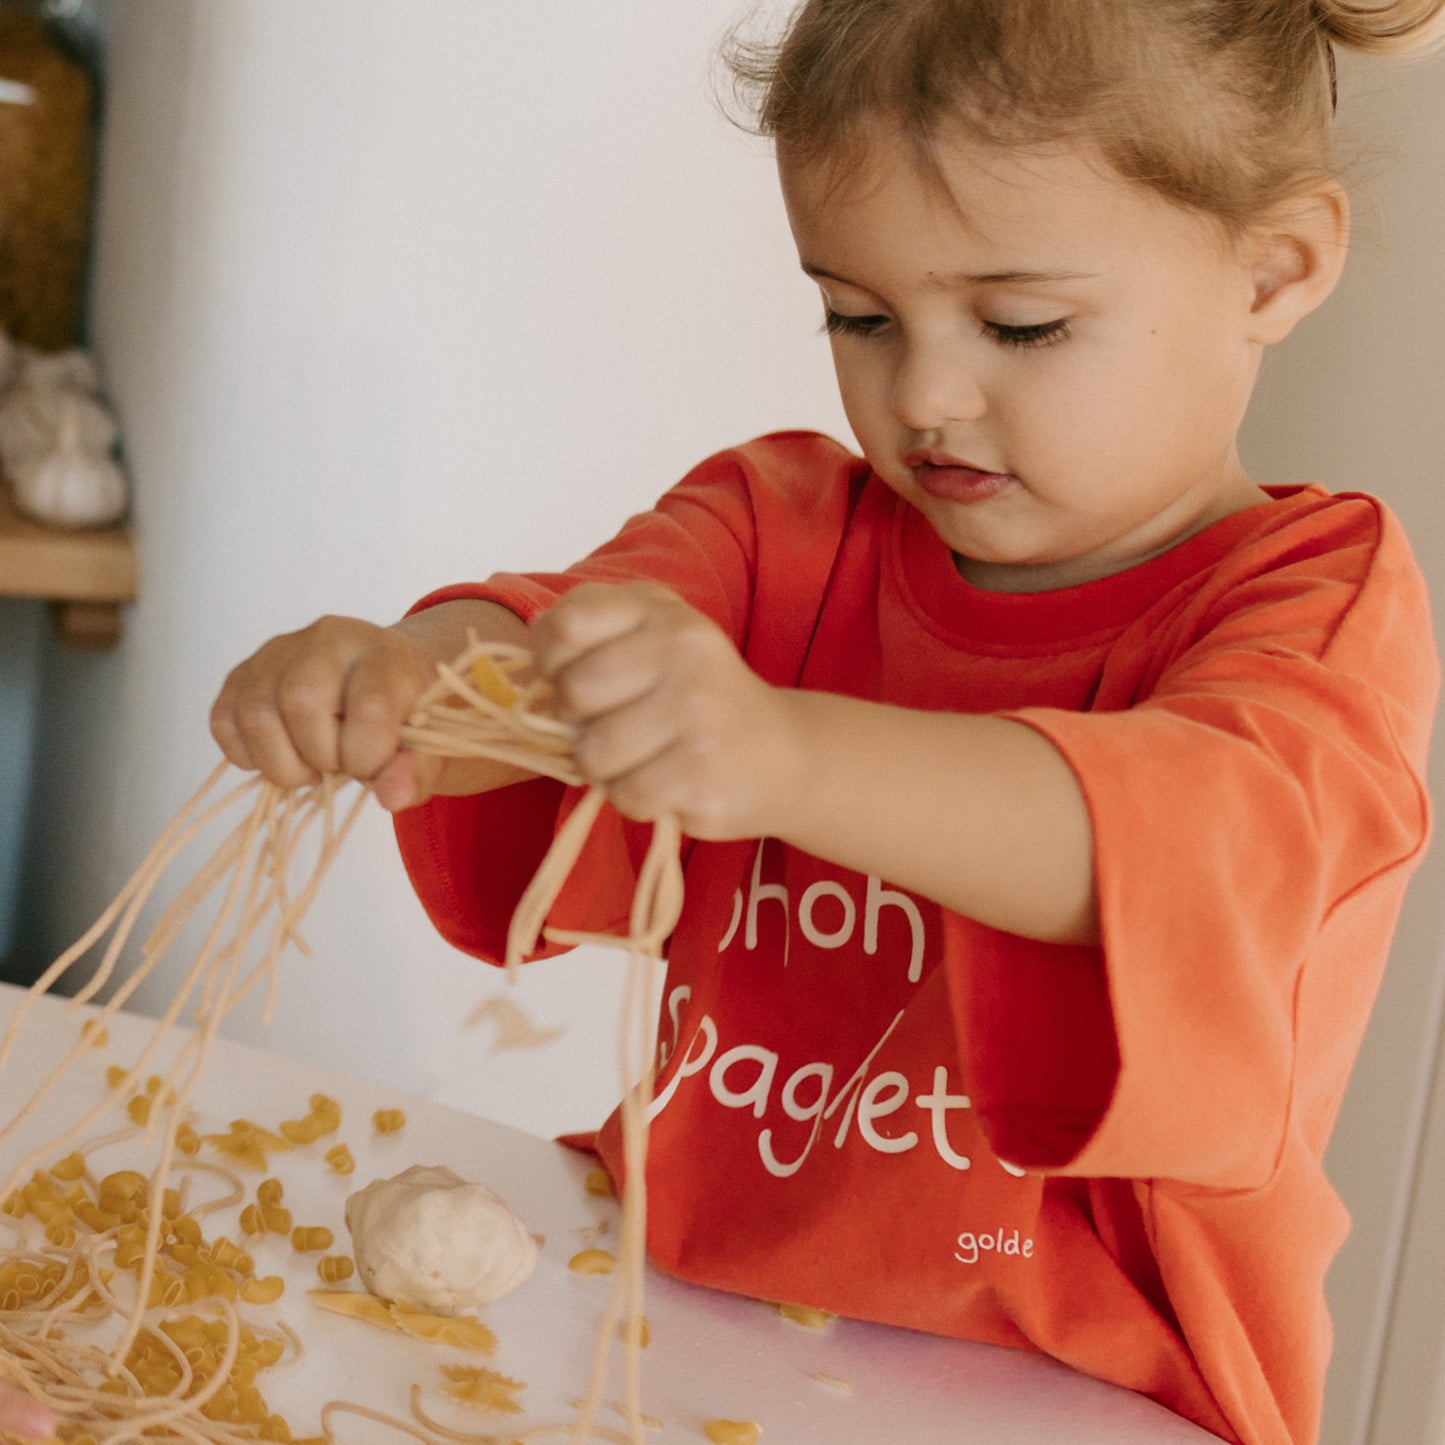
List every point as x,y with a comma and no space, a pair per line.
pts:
1295,257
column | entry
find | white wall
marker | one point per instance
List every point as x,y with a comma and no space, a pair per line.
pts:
393,293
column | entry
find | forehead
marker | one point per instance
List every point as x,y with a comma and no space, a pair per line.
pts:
959,203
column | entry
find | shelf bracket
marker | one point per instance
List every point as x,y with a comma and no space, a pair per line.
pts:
87,626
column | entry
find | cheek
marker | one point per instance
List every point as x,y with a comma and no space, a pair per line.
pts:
1189,362
1099,398
1182,400
1060,411
863,386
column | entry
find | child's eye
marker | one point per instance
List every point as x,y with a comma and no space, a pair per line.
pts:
1044,333
835,323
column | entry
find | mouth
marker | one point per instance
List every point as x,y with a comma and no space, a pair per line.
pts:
950,480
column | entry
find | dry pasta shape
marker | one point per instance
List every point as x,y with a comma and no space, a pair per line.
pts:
511,1027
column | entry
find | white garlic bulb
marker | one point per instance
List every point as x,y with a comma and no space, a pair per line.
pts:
57,442
56,452
432,1241
73,370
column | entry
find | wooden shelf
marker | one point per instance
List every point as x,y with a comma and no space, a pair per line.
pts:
86,575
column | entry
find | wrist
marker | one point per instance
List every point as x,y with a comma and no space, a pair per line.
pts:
788,780
443,631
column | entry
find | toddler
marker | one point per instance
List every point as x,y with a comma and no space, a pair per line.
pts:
1050,784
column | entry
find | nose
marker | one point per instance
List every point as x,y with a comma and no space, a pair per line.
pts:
935,383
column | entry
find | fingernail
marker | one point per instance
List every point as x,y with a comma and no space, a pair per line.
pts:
394,796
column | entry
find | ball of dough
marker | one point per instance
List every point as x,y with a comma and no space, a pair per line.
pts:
429,1240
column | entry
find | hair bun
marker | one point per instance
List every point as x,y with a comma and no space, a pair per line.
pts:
1396,28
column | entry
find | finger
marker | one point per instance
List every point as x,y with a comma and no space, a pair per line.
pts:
406,780
666,784
619,742
609,676
23,1417
246,723
586,617
226,730
268,745
308,701
377,699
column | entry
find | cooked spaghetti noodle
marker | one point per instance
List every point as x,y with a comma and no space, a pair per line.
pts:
144,1383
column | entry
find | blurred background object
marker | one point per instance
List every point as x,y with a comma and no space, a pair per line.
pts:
48,115
58,439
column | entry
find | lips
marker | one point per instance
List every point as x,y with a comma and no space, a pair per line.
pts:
950,480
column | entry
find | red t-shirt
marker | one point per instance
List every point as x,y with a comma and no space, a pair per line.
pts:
873,1106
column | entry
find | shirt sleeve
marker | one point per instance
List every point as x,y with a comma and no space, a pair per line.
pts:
756,523
1255,819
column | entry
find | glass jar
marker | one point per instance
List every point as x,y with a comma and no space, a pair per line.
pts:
47,158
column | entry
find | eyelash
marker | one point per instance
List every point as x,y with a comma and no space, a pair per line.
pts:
1043,333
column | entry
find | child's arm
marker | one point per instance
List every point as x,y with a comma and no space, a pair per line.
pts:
333,698
978,813
981,814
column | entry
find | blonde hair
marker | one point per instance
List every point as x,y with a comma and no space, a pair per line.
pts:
1221,106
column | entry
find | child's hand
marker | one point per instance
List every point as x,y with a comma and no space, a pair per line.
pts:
331,698
672,720
24,1418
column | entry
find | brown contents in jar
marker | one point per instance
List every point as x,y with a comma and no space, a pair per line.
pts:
46,158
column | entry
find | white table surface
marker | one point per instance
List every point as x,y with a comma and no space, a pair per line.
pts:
712,1355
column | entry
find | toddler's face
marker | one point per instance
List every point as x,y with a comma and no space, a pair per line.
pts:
1078,344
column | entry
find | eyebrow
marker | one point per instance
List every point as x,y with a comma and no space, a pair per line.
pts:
986,278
